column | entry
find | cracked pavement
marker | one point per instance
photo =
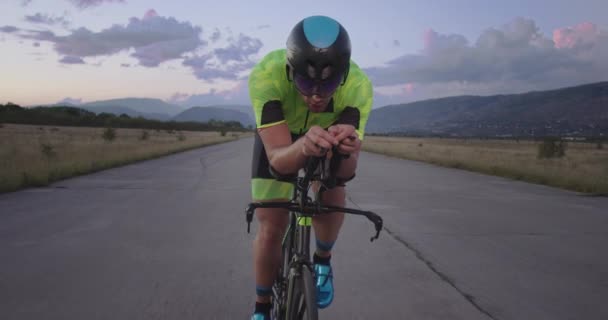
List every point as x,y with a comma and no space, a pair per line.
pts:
166,239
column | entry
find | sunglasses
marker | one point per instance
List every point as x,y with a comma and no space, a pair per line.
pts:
309,87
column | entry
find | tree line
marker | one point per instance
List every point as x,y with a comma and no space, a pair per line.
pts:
72,116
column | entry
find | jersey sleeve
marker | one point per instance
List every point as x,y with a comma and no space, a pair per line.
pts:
265,94
363,102
358,103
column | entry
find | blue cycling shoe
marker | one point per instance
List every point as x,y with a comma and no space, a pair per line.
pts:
325,285
259,316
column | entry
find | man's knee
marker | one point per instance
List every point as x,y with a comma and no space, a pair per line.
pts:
334,197
341,182
273,222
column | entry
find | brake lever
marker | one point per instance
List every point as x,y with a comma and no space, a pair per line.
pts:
378,224
249,216
376,236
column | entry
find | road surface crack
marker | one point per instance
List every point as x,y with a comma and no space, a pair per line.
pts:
441,275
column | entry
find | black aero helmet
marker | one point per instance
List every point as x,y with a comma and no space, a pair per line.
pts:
318,55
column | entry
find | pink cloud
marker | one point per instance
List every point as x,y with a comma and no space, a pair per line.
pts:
238,89
150,14
571,37
434,42
429,37
408,88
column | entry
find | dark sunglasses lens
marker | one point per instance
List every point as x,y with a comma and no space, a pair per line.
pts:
308,87
305,86
329,86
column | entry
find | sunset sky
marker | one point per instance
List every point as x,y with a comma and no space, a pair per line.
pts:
200,52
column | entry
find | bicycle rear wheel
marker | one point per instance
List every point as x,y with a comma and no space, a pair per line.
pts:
301,297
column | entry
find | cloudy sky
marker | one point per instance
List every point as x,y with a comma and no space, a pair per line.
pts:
192,52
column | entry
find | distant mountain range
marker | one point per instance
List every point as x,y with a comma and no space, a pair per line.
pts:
204,114
573,111
142,105
118,110
160,110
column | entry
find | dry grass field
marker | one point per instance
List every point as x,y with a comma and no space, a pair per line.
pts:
584,168
37,155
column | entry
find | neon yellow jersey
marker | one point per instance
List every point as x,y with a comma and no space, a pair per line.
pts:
275,99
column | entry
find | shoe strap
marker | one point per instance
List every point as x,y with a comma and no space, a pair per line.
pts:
327,276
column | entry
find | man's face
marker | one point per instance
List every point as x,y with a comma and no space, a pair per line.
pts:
316,103
317,94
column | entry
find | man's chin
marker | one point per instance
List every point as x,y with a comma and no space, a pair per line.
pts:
316,108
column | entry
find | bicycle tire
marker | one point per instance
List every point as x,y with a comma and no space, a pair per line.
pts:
280,284
301,298
310,294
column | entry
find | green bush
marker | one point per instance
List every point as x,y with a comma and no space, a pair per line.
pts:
144,135
551,148
181,137
109,134
47,150
600,144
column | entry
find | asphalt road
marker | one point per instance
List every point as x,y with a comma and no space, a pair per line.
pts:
166,239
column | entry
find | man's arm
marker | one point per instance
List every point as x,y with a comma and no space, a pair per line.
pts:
349,166
284,156
350,127
351,145
287,157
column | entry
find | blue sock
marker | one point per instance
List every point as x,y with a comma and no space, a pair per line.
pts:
325,246
263,291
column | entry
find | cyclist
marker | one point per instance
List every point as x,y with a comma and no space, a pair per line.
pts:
306,98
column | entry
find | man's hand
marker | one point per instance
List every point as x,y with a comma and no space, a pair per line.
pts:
317,141
346,134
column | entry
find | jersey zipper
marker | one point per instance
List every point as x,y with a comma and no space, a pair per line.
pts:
305,122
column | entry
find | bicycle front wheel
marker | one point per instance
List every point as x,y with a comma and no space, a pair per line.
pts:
281,282
301,298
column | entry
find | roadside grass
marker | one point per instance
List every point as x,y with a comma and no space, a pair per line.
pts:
583,168
33,156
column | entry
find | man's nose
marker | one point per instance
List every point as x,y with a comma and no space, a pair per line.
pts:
316,98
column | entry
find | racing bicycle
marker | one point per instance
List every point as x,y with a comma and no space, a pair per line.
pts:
294,290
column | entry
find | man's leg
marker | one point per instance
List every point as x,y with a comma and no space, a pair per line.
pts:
267,253
272,223
327,227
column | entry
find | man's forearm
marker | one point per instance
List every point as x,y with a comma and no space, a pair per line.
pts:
288,159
